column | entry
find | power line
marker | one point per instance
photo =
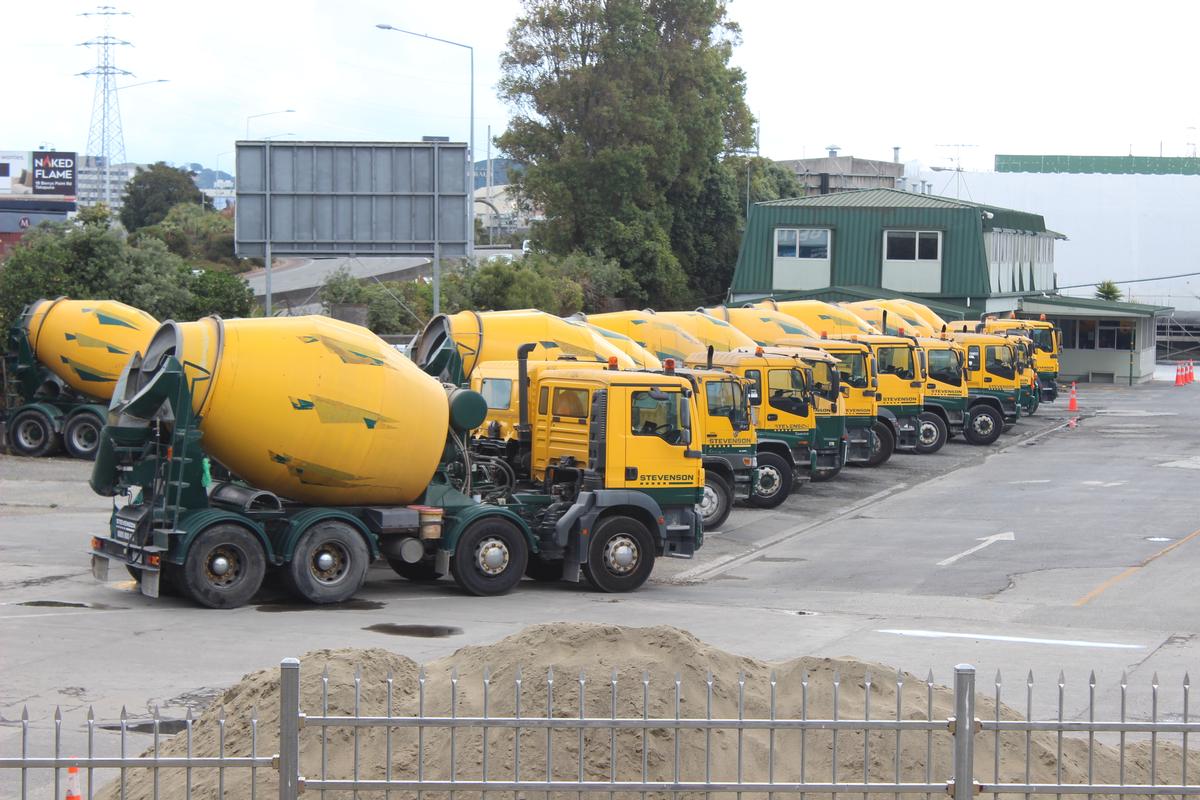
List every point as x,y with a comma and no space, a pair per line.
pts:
1133,280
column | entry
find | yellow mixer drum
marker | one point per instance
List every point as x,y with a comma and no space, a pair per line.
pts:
310,408
87,342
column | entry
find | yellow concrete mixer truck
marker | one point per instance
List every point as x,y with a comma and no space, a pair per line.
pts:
340,450
59,369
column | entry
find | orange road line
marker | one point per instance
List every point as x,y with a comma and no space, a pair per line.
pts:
1114,580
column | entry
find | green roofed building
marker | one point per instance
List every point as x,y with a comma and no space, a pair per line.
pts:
961,258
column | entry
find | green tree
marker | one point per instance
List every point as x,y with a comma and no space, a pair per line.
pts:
1108,290
89,259
623,111
153,192
190,231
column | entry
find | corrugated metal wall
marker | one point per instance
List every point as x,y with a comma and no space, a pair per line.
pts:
858,244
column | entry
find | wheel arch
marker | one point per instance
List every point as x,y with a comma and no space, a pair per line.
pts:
779,448
302,522
200,521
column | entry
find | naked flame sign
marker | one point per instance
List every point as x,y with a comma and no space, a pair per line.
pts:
54,173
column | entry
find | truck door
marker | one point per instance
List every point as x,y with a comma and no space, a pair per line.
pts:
561,424
788,408
721,403
653,423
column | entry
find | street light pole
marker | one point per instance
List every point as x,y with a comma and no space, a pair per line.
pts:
470,187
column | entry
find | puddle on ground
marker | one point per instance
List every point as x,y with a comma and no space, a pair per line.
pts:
347,605
166,727
421,631
67,604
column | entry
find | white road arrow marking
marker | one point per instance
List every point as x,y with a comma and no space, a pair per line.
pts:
1008,536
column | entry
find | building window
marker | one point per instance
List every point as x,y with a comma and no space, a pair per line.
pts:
1115,335
1087,335
913,245
810,243
1067,326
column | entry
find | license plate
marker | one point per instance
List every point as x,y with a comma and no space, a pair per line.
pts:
123,532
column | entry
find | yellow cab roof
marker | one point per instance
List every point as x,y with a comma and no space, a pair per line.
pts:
826,344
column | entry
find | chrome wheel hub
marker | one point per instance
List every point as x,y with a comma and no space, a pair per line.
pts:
329,562
30,434
768,481
492,556
621,555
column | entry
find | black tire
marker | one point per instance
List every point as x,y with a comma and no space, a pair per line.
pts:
932,432
774,481
823,475
716,502
885,445
1036,401
240,575
620,556
984,425
490,557
424,571
31,433
544,570
329,564
81,435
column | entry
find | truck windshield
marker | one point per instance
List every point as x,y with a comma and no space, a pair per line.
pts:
661,417
946,366
998,360
726,398
786,389
497,392
896,360
1043,339
853,369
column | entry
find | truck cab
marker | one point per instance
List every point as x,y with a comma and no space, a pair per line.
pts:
781,384
946,393
993,383
859,399
1047,346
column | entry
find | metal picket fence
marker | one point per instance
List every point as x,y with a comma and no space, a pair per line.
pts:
591,740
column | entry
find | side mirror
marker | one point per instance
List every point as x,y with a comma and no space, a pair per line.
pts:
874,381
754,397
845,391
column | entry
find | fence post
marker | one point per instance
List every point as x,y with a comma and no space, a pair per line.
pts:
964,732
289,728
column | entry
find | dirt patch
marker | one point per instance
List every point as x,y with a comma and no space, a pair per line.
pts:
600,653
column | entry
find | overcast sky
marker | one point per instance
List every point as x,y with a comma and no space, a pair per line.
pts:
1015,77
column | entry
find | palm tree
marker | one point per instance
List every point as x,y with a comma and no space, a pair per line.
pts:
1108,290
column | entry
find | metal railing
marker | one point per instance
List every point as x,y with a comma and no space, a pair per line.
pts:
550,736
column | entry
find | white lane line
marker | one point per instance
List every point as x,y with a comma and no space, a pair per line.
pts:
1018,483
62,613
1018,639
1008,536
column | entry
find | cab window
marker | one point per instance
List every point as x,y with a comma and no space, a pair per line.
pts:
786,389
755,378
659,417
946,366
726,399
825,380
569,402
896,361
998,360
1043,339
853,369
497,392
544,401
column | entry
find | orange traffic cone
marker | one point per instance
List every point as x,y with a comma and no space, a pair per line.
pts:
1074,404
1191,372
1178,373
73,783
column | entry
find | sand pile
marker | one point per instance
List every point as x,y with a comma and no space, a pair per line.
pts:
597,650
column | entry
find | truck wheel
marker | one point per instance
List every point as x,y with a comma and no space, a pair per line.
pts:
544,570
620,556
490,557
1035,399
81,435
424,571
31,433
716,501
822,475
329,565
224,568
984,425
774,481
885,445
931,432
